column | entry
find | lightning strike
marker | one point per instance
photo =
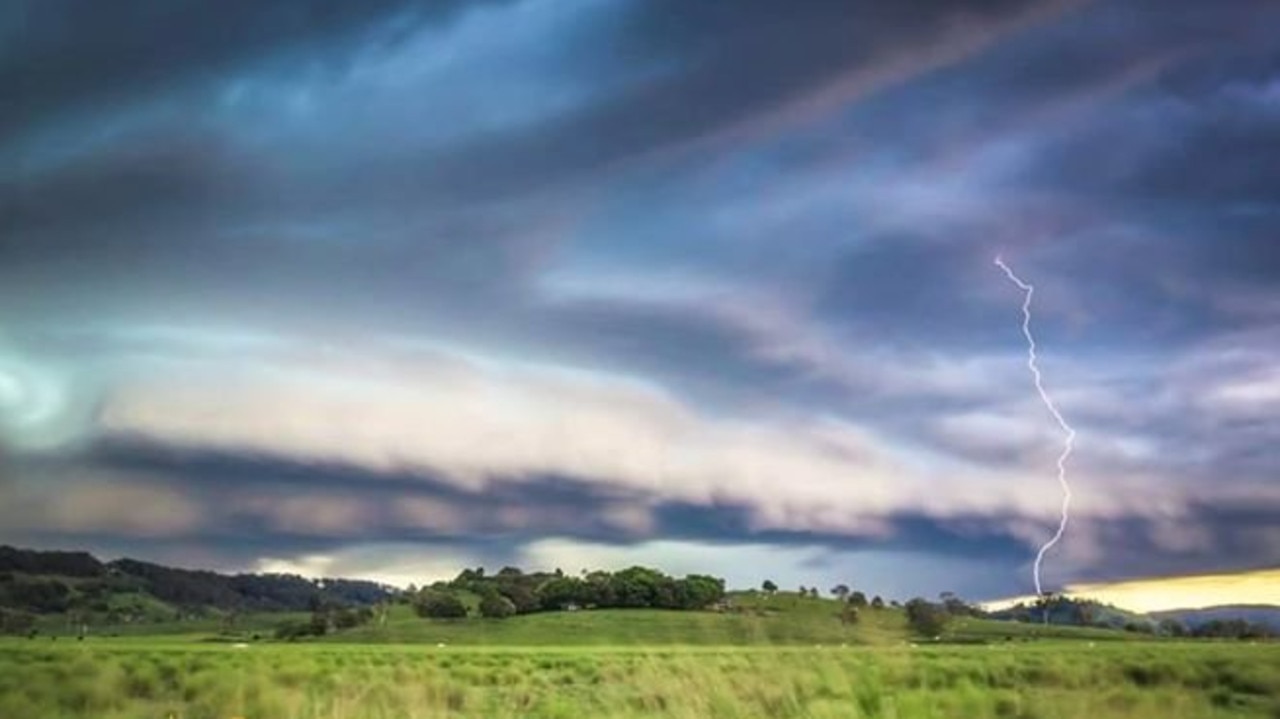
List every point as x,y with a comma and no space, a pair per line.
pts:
1070,439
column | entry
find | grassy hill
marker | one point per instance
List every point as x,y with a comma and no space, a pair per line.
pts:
1263,614
63,593
756,620
784,619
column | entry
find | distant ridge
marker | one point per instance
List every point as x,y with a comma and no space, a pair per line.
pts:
54,582
1265,614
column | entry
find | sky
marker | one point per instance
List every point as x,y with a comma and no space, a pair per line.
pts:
390,288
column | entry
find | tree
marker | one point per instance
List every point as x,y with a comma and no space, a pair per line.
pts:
561,592
41,596
1172,628
840,591
858,599
319,623
440,605
467,576
849,614
1087,612
292,630
925,618
521,596
877,602
954,605
699,591
496,606
346,618
813,592
14,621
804,591
598,590
636,586
1048,602
768,586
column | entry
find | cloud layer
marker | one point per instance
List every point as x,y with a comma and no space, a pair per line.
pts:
507,279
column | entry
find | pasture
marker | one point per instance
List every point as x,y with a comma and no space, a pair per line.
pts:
1050,679
778,657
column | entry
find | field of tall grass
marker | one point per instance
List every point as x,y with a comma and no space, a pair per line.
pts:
1047,680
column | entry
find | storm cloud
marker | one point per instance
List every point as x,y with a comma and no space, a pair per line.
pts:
545,281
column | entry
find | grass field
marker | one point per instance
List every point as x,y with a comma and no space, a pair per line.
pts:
784,620
1052,679
780,657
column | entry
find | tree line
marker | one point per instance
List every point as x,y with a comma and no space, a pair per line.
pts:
512,591
57,582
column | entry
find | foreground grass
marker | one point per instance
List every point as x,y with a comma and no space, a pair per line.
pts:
1047,680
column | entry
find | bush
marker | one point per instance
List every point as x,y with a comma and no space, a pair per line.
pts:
440,605
290,631
523,598
926,619
14,621
346,619
496,606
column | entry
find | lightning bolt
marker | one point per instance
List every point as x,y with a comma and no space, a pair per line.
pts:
1070,440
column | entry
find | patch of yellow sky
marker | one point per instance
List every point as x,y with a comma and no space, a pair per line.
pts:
1186,592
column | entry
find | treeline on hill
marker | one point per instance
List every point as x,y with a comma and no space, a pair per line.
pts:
512,591
124,590
1060,610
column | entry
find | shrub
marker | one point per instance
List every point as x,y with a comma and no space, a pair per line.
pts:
346,619
496,606
289,631
440,605
926,619
14,621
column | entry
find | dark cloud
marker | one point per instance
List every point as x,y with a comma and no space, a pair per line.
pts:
915,292
760,213
251,507
71,56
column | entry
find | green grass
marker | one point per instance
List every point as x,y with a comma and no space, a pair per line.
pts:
784,620
633,627
186,630
781,620
1045,680
778,657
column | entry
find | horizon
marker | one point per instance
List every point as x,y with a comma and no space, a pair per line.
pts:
1144,596
388,288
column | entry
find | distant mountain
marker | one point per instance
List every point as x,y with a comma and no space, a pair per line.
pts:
39,582
1239,622
1265,614
1074,612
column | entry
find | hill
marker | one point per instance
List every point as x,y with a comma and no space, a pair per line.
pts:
1067,611
1263,614
73,592
128,590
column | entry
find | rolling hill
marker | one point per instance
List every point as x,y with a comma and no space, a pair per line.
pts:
1263,614
128,590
